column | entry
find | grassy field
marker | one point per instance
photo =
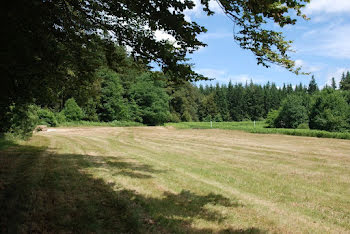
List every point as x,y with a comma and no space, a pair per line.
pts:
167,180
248,126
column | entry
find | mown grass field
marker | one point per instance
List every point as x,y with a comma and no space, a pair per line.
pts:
167,180
259,127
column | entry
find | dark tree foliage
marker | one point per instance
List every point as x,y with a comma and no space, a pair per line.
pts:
53,48
184,103
112,105
60,51
254,101
221,102
238,102
151,99
209,109
22,120
124,89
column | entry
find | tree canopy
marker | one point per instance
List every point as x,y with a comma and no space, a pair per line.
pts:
53,47
134,23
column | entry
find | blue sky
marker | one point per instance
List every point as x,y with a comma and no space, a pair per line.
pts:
322,46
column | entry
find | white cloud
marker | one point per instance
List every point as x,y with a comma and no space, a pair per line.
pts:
299,63
188,17
331,41
320,18
327,6
214,6
213,73
306,67
313,68
336,42
198,12
242,78
223,76
161,35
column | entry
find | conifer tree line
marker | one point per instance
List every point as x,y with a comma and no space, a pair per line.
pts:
301,106
124,89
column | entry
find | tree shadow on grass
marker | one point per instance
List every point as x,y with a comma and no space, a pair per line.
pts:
46,192
130,169
5,143
115,165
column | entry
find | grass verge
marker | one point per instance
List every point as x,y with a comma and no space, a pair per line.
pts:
101,124
248,126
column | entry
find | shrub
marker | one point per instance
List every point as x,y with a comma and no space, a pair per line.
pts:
46,117
90,110
218,118
291,113
271,118
303,126
330,111
208,118
60,117
175,118
72,111
23,120
186,116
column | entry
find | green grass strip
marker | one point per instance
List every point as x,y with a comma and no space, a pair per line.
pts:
248,126
101,124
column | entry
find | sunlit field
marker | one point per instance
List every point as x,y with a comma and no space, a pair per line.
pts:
166,180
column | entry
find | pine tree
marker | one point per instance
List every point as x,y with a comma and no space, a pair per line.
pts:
201,88
312,86
255,101
237,102
276,95
289,89
221,101
345,81
230,99
334,84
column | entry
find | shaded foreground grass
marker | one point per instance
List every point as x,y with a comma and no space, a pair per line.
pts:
248,126
158,180
42,191
5,143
